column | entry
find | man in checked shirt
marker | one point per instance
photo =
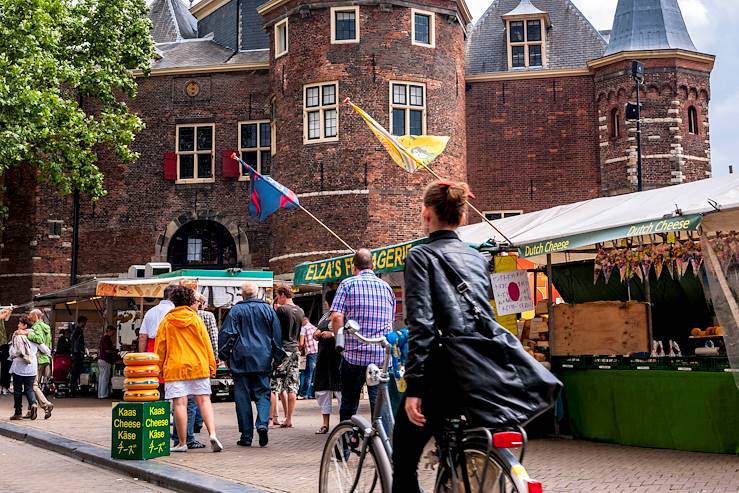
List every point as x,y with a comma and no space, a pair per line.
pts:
369,301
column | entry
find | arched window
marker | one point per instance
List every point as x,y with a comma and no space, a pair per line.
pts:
615,123
202,245
692,120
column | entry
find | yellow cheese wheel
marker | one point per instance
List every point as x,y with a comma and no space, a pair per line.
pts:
141,395
141,383
141,371
137,359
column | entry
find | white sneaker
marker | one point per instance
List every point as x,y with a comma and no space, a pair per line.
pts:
181,448
215,444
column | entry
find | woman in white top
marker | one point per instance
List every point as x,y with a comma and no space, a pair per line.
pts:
23,368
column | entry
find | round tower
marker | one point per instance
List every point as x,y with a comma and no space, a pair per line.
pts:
401,62
674,97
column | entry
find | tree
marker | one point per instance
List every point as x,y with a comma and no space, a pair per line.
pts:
65,74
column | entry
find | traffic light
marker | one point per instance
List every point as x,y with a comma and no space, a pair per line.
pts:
632,111
637,71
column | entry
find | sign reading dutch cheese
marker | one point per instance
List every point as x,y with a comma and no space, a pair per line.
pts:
554,245
386,259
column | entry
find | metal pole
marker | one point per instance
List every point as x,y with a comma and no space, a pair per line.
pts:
639,179
648,299
550,304
75,235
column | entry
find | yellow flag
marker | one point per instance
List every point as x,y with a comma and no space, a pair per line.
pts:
409,152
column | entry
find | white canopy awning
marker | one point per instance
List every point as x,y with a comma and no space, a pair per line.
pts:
569,227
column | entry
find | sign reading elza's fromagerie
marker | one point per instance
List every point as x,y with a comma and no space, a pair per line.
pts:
140,430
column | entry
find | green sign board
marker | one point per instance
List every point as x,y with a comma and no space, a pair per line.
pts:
564,243
140,430
385,259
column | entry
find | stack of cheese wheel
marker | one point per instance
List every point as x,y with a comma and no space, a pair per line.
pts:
141,372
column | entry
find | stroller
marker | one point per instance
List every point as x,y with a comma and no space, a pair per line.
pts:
61,374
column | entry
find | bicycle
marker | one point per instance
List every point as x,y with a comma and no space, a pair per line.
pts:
357,455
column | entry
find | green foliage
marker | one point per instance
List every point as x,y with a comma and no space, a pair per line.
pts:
55,55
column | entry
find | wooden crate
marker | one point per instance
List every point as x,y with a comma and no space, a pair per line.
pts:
601,327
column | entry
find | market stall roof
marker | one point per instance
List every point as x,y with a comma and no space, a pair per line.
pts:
154,287
82,290
567,228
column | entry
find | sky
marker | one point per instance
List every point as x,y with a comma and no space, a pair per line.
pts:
713,26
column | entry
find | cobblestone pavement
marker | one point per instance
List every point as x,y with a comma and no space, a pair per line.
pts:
24,468
290,463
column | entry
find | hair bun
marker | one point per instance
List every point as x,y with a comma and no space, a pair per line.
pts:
456,193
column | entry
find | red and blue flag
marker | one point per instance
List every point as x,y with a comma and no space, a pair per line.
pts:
266,196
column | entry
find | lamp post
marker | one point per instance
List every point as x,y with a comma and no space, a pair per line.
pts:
637,72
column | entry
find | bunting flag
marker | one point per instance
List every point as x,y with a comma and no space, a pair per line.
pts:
266,196
409,152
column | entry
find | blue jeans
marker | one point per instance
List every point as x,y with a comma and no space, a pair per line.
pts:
306,388
193,416
248,388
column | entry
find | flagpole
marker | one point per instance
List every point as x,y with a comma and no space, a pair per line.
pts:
402,148
237,158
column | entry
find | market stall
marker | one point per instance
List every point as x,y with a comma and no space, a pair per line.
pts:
647,344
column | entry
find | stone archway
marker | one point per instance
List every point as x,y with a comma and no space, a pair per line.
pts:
241,242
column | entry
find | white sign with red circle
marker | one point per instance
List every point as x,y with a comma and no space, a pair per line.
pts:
511,292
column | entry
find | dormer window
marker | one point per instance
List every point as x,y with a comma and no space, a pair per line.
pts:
526,27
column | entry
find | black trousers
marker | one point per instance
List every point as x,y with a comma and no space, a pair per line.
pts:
408,443
23,385
78,365
5,366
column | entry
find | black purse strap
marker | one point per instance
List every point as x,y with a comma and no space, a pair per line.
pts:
460,285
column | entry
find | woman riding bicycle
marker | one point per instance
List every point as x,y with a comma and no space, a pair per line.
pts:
433,304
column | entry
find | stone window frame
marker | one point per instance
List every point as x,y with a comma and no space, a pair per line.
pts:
322,109
526,43
279,35
348,8
693,124
407,106
432,28
614,123
259,149
503,214
196,153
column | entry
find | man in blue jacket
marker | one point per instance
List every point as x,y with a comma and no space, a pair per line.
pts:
250,342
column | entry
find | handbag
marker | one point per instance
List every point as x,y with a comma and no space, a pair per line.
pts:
499,383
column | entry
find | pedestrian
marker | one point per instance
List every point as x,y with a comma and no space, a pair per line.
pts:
327,376
433,307
152,319
4,353
286,380
63,346
309,346
251,344
212,326
78,349
24,367
107,356
369,301
187,364
40,333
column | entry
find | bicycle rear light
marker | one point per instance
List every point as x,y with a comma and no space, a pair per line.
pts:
507,439
534,486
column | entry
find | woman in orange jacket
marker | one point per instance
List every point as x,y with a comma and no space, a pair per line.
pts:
187,363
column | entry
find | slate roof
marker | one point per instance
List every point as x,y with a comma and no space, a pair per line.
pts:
191,53
649,25
252,56
172,21
571,42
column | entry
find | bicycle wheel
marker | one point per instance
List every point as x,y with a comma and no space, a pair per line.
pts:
495,479
340,463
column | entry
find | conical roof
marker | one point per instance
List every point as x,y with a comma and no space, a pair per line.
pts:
172,21
649,25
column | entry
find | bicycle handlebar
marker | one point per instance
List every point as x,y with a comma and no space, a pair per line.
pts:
352,328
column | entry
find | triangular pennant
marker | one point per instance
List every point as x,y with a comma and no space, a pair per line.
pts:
670,269
658,268
607,269
597,268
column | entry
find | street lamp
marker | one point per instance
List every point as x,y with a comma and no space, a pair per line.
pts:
637,73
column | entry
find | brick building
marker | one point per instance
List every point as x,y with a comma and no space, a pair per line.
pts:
532,96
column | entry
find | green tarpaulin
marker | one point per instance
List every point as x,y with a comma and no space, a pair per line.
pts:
695,411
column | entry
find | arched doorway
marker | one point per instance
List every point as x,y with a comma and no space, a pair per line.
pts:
202,244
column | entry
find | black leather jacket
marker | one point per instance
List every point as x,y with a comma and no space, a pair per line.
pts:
433,303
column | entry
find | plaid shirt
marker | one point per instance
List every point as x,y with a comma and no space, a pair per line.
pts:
210,323
369,301
311,345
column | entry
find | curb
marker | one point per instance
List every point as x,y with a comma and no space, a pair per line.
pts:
164,475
